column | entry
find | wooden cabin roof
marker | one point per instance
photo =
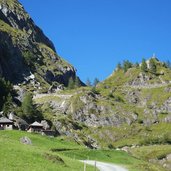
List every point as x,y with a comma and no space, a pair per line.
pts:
5,120
36,124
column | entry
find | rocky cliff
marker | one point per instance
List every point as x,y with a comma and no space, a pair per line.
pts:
123,107
27,56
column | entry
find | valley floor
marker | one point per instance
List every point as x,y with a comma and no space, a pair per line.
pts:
59,154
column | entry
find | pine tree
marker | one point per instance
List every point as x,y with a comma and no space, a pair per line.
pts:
8,105
28,107
119,66
137,65
96,81
168,64
152,66
126,65
144,65
88,83
5,89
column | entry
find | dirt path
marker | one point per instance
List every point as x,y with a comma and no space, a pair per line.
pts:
105,166
64,96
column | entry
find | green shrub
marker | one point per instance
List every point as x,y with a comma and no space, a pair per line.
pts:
167,138
29,58
94,90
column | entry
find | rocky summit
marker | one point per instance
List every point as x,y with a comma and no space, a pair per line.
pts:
27,56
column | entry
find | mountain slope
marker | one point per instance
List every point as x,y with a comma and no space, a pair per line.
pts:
129,109
26,54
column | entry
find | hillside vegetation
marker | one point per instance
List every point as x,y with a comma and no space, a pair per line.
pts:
46,153
25,48
129,109
124,119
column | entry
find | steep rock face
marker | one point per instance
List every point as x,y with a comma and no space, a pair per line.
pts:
12,12
25,50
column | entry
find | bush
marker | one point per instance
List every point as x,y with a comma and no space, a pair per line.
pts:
110,146
111,95
94,90
140,121
167,138
28,58
118,99
164,139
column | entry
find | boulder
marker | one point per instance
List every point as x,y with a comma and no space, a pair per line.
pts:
45,124
26,140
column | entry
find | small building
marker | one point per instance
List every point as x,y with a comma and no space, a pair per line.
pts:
35,127
6,124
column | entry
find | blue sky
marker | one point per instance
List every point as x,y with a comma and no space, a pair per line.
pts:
94,35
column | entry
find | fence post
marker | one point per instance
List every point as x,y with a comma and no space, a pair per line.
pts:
84,165
95,165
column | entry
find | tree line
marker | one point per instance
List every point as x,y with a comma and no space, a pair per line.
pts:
76,83
8,103
92,84
150,66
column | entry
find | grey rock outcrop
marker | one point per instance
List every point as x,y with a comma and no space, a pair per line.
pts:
25,49
45,124
143,81
166,107
26,140
15,15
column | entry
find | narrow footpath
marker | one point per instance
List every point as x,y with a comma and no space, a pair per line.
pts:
105,166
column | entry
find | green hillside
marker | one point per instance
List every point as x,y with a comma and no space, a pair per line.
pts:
47,153
130,109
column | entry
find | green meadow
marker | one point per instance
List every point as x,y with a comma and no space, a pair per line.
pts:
59,154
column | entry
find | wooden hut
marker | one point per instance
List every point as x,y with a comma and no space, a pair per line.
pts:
6,124
35,127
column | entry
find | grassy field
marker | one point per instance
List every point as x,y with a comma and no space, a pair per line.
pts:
35,157
57,154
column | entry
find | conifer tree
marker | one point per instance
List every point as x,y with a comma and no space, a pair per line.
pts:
96,81
137,65
168,64
5,89
144,65
8,105
88,83
126,65
152,66
28,107
119,66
